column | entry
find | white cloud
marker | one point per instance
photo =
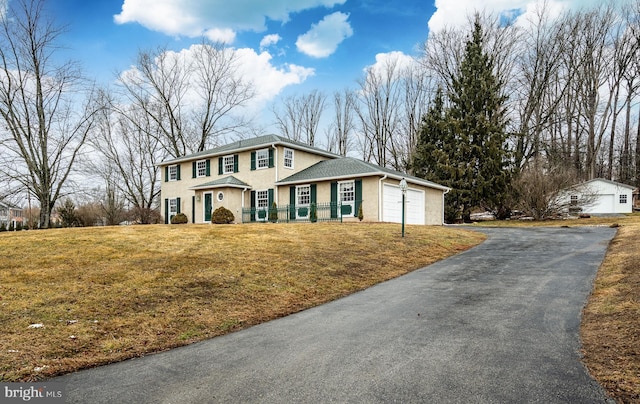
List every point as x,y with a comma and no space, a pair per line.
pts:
269,40
456,13
256,68
218,19
396,59
324,37
268,79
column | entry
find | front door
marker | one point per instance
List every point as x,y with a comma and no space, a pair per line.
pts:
208,205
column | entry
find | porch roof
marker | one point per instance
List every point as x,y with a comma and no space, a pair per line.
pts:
226,182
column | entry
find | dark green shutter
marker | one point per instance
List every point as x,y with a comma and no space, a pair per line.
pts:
166,174
334,200
253,206
270,158
178,170
193,209
193,170
253,161
314,210
358,200
292,202
273,213
219,165
208,168
166,211
235,163
178,204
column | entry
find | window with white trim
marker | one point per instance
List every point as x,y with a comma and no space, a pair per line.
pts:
201,168
303,195
288,158
347,196
228,164
262,199
173,173
574,200
262,158
173,207
623,199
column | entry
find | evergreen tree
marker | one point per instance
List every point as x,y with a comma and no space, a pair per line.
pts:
464,146
478,118
435,153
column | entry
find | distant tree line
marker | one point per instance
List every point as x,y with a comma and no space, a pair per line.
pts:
490,109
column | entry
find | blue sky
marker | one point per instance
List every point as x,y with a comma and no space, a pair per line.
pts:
105,35
286,46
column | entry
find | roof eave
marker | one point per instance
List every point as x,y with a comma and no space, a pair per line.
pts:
248,148
203,187
370,174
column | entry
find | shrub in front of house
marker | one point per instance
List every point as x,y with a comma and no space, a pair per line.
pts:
273,213
180,218
360,213
222,215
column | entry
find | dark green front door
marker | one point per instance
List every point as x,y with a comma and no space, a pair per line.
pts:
208,200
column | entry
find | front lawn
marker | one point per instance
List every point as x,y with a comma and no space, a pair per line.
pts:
76,298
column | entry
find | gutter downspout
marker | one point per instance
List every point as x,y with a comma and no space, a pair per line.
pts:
242,203
275,163
380,198
445,192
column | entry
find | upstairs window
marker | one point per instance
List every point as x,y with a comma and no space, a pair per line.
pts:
228,164
288,158
262,158
173,173
201,168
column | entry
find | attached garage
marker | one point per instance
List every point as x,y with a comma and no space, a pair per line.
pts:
392,205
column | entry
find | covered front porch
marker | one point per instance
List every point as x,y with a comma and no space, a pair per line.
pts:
228,192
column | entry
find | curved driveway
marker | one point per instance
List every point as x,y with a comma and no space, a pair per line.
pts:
496,324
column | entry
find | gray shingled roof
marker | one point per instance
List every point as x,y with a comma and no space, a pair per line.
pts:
619,184
248,144
348,167
229,181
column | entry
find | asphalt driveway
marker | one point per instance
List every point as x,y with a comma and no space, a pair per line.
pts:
496,324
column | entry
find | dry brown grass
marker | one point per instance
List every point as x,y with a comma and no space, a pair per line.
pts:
107,294
611,320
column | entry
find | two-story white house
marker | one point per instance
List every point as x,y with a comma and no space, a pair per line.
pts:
305,183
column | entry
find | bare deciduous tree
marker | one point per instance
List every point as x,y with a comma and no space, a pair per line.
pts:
378,108
189,96
343,125
545,191
301,116
130,151
45,126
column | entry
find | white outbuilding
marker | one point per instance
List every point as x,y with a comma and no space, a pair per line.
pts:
604,196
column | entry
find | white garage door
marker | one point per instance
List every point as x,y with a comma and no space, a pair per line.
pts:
604,204
392,205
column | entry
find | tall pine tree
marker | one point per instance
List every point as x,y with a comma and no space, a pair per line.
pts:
464,146
434,152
